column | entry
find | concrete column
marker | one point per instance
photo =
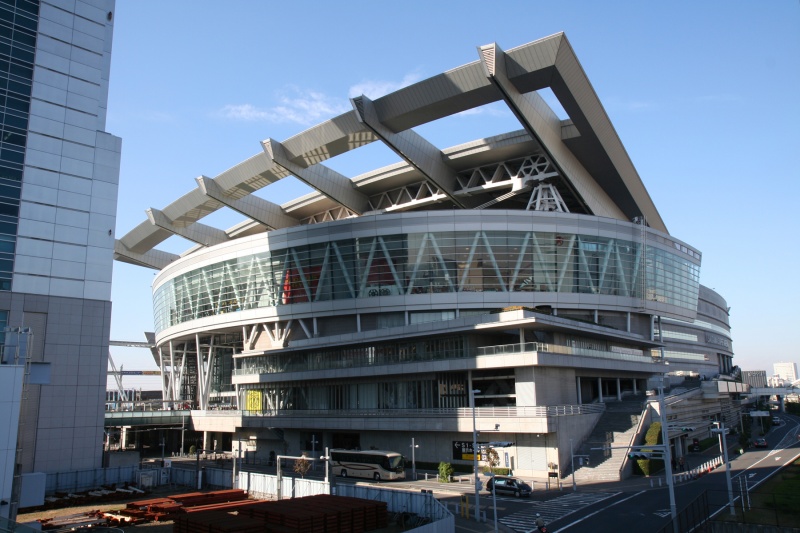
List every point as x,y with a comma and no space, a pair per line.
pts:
600,388
207,442
619,391
635,391
123,438
580,400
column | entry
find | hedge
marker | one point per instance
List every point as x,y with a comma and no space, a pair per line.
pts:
648,467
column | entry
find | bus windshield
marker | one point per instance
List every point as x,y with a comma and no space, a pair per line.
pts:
395,463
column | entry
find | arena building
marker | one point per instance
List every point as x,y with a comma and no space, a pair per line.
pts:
525,279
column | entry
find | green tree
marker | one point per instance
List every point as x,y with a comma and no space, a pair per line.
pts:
445,471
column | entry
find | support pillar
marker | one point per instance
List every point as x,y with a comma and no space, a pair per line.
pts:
580,400
600,389
635,390
207,436
123,438
619,390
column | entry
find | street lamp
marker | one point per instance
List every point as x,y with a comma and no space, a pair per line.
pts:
413,459
673,511
572,464
720,429
472,394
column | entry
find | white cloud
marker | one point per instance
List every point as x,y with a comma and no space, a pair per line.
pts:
494,109
300,106
308,107
375,89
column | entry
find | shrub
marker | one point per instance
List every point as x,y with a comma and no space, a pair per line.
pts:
650,466
192,449
445,471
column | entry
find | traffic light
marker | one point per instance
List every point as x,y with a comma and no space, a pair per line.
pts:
640,455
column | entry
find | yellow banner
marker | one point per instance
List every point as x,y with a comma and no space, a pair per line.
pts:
253,400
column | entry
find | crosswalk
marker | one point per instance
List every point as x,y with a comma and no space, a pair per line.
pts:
554,509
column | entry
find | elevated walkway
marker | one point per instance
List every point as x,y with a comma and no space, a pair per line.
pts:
147,418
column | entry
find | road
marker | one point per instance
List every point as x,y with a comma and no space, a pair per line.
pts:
630,505
648,510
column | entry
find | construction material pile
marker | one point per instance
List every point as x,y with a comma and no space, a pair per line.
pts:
100,495
160,509
314,514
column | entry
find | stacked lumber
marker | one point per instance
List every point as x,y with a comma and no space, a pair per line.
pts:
217,522
313,514
160,509
193,499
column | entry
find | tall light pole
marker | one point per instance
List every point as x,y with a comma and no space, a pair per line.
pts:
572,464
673,511
413,460
723,441
472,394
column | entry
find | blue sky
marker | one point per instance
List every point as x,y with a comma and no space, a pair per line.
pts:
704,96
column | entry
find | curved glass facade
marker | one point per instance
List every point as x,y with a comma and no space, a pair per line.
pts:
427,263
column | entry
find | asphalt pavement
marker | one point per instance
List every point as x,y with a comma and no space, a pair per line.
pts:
633,496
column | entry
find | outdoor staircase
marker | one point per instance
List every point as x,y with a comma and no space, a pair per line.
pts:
616,427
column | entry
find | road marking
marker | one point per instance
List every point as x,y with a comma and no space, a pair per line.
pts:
554,509
564,528
663,513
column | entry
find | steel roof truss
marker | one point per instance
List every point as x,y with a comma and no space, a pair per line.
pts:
412,148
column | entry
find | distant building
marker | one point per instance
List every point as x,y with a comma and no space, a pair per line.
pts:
786,370
755,378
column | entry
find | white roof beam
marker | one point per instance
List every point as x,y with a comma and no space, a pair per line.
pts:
155,259
411,147
544,126
335,186
195,232
260,210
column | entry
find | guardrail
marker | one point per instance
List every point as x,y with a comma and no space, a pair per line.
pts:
483,351
565,350
542,411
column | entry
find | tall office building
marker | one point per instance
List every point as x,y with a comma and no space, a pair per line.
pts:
59,173
787,371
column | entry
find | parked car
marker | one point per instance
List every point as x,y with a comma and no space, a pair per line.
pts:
776,421
508,485
760,443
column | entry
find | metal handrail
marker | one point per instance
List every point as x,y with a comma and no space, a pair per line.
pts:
483,351
481,412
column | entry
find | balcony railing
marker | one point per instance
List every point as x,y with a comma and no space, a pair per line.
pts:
542,411
369,359
566,350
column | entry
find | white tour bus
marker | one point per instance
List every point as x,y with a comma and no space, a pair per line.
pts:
372,464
